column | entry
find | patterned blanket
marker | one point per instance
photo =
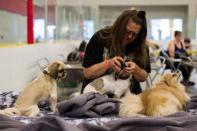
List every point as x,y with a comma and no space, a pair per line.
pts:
181,121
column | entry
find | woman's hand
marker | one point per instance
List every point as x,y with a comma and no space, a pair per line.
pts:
130,68
116,63
133,69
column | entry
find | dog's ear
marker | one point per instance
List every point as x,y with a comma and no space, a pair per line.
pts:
53,69
98,83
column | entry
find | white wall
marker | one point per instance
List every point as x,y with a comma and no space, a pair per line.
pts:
18,64
12,27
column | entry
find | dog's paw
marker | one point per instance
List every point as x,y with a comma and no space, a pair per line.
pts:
10,112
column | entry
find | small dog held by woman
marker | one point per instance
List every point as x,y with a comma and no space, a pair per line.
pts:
42,88
168,96
108,84
113,83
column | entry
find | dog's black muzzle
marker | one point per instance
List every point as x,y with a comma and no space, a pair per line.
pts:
177,73
62,74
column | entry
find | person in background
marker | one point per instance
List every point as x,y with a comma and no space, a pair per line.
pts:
78,54
82,48
108,46
187,43
176,49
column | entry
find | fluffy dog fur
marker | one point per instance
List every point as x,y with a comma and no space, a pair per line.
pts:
166,97
131,105
108,84
42,88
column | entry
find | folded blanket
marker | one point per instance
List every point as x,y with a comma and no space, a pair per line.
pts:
88,105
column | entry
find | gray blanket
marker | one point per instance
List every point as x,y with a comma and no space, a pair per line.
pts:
88,105
8,124
192,105
181,121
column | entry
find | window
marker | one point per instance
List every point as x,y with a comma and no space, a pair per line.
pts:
39,31
177,24
88,29
163,29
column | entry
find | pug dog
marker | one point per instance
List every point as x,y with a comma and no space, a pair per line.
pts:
44,87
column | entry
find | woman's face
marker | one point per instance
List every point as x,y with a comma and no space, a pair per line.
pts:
132,31
179,37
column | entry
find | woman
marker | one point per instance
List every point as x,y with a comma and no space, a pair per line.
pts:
176,49
107,48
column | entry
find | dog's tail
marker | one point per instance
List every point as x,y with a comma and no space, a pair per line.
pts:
10,112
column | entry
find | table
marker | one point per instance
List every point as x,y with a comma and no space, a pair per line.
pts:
73,81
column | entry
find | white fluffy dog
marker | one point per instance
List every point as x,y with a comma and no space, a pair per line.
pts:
108,84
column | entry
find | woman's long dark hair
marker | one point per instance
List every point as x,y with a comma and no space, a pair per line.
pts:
116,33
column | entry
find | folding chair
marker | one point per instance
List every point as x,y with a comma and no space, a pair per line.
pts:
159,68
165,62
170,62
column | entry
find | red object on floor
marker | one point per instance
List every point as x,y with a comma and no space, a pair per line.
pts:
30,32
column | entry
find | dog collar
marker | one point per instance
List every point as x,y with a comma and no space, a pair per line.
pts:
47,73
